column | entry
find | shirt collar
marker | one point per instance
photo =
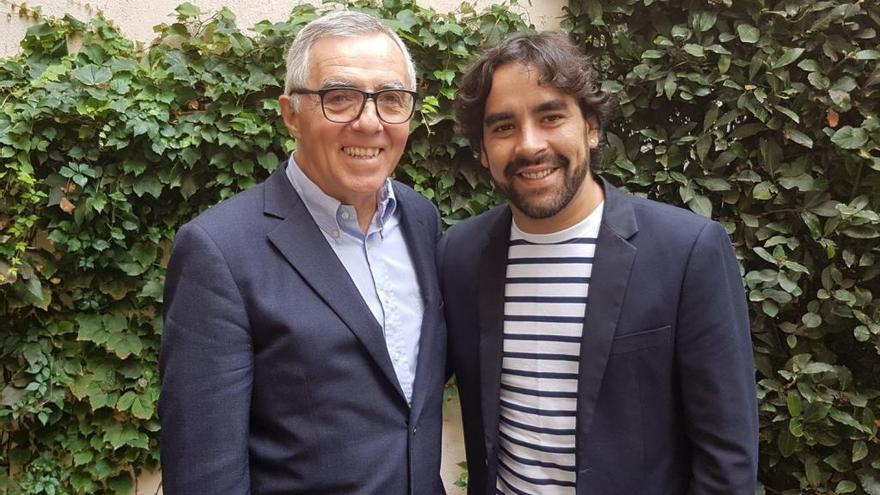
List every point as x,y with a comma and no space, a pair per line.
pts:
330,214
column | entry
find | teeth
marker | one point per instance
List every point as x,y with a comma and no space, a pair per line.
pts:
537,175
361,152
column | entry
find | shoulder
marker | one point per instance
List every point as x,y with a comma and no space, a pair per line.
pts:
408,197
232,212
417,205
237,220
480,224
467,238
658,220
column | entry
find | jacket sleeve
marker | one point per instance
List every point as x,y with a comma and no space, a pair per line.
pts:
716,369
206,369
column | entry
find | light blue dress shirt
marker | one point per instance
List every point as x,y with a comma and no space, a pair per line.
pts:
378,263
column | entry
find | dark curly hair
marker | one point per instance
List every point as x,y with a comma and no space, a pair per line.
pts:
560,63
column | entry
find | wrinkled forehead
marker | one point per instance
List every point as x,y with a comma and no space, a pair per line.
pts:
373,59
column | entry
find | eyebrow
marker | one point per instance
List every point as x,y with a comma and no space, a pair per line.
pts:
342,84
546,106
493,118
551,106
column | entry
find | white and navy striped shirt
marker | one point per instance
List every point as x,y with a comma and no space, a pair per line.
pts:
545,298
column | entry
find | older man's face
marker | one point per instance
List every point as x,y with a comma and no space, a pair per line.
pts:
349,162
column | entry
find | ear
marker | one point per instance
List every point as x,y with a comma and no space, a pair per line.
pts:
484,160
290,116
592,132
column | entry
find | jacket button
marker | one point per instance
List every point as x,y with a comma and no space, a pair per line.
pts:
414,430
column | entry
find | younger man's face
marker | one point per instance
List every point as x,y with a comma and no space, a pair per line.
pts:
536,142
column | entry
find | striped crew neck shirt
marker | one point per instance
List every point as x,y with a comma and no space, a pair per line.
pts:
545,298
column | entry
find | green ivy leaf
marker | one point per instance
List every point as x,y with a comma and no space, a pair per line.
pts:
850,138
845,486
124,345
92,75
121,434
870,480
788,113
803,182
407,19
122,483
124,403
814,474
859,451
845,418
703,21
143,407
147,184
187,10
748,33
813,368
799,137
838,461
789,55
694,49
595,12
611,87
269,161
787,443
763,191
867,55
701,205
91,329
446,76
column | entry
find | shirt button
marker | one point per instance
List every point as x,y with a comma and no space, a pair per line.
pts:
345,215
334,234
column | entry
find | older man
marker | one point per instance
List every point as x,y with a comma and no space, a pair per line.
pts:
303,349
600,341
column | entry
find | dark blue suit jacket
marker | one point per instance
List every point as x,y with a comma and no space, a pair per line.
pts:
666,393
275,375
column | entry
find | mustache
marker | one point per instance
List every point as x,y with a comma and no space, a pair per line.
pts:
521,162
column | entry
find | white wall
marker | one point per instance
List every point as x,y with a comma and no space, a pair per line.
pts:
136,18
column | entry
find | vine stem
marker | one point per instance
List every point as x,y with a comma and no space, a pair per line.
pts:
857,182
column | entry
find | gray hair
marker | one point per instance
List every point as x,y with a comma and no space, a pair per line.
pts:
342,23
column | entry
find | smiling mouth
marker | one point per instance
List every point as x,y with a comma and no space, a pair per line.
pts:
537,174
358,152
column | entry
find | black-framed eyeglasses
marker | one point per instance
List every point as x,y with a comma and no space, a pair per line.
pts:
344,105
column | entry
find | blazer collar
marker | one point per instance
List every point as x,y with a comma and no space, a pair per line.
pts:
618,215
421,239
612,265
493,268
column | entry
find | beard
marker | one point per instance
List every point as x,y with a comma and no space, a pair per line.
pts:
549,201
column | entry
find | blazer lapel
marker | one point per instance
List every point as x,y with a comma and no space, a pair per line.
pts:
301,242
421,241
611,270
493,268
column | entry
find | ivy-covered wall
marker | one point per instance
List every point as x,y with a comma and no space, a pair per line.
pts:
764,115
761,114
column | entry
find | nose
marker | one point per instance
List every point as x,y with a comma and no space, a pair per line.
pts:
531,141
368,121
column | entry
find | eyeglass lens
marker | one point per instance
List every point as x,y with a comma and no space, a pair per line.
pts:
345,105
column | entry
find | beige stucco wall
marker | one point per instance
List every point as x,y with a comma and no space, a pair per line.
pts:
136,18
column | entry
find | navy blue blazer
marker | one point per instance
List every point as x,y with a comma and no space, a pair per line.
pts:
666,392
275,375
